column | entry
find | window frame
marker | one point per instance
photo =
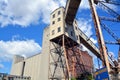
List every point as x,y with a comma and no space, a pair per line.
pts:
53,22
59,29
59,12
59,19
53,32
53,16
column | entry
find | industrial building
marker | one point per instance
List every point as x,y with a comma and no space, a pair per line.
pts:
51,60
33,66
4,76
61,57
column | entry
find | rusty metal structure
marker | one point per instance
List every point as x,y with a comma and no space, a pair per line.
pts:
114,17
68,60
65,56
100,38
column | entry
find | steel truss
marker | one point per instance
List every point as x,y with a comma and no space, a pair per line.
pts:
65,61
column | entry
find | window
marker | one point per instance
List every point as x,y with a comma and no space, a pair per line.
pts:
76,27
53,15
71,33
75,22
53,32
59,29
53,22
59,19
58,12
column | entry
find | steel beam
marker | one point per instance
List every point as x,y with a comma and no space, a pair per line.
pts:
99,34
71,10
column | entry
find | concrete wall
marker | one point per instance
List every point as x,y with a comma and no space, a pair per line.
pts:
17,68
64,28
72,29
36,66
17,62
17,58
32,67
45,56
57,14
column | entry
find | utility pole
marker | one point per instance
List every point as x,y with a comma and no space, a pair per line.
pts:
100,38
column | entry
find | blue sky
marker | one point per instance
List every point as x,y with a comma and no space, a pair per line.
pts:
22,23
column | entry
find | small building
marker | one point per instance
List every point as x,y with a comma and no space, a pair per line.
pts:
4,76
13,77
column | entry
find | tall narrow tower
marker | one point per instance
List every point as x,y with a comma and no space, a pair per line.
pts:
58,27
63,39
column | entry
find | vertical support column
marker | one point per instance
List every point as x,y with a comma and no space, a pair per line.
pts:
73,65
57,62
65,55
23,68
99,34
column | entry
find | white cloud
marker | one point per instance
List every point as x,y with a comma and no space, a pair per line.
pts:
25,47
1,66
62,2
27,12
84,4
85,26
93,40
